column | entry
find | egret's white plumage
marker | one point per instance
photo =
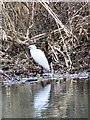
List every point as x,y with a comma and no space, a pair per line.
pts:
39,57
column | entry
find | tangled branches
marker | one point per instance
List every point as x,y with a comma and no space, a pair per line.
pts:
60,29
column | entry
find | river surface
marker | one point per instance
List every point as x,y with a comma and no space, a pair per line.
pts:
68,99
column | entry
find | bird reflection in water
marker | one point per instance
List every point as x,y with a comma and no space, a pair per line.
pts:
41,100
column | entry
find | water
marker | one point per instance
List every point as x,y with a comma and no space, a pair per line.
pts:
67,99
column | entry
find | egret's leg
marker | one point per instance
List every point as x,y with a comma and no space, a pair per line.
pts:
51,66
41,72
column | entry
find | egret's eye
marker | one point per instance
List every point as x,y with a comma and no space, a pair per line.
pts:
29,47
32,47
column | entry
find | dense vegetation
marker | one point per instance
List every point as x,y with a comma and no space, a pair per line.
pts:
61,30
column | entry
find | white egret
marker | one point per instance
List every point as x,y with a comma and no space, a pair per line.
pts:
39,57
